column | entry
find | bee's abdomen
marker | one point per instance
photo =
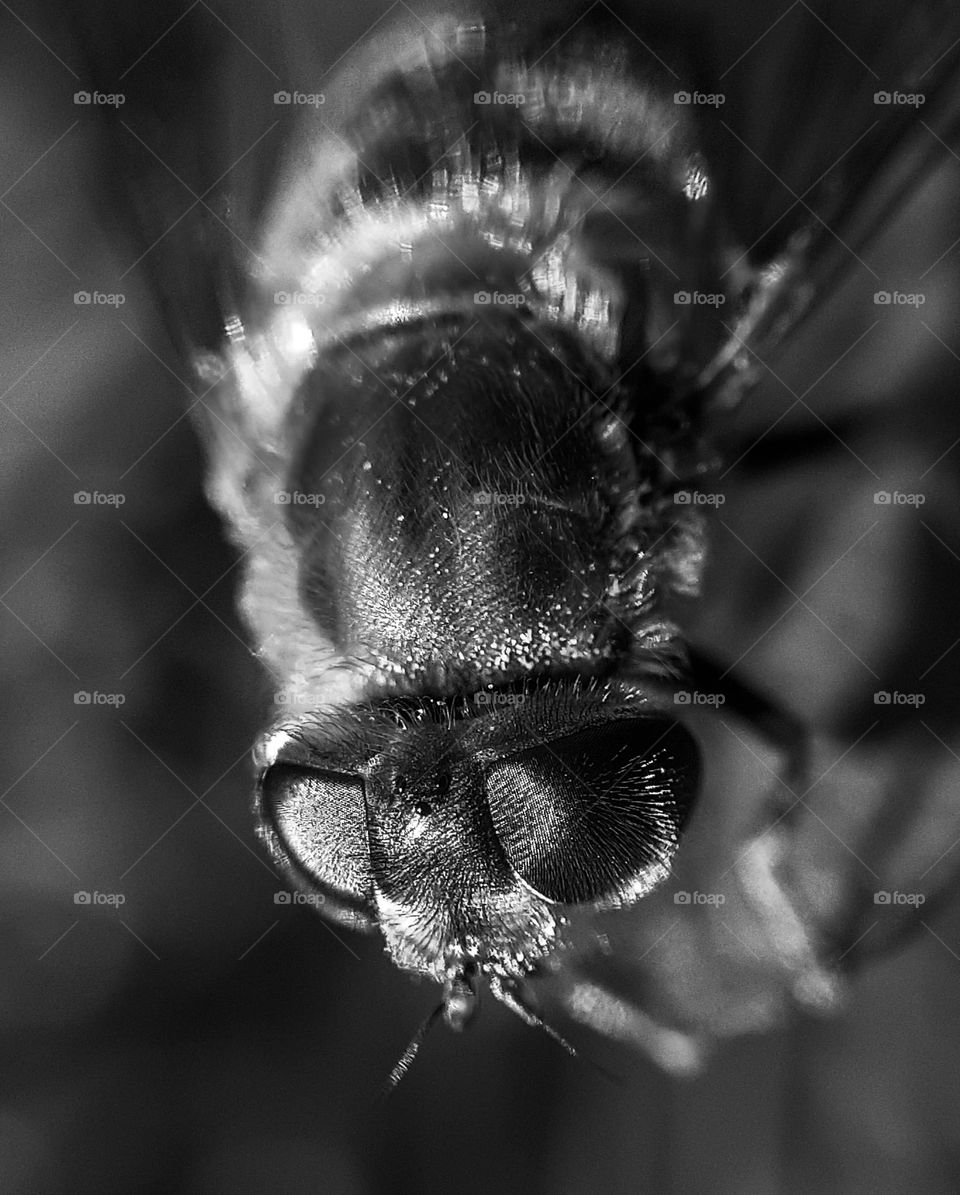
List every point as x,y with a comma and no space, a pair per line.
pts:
504,160
511,210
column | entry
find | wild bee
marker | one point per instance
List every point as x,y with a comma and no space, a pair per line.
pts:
457,400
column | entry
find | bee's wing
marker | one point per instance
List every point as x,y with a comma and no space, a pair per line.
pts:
781,886
804,139
836,117
806,164
189,155
832,116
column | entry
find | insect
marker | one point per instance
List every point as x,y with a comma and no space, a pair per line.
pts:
457,392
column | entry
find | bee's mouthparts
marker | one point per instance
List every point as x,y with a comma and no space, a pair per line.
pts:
461,998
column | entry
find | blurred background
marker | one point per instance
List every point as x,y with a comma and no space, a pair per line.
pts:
166,1024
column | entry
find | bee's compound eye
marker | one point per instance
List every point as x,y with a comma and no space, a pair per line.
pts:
595,816
318,819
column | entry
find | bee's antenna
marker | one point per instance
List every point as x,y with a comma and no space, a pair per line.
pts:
458,1007
406,1058
509,996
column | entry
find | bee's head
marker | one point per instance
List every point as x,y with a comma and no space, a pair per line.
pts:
466,829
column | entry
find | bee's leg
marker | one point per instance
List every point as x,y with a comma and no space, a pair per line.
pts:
780,450
608,1015
774,722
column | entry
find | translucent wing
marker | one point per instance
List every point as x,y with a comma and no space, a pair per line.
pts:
801,876
831,119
